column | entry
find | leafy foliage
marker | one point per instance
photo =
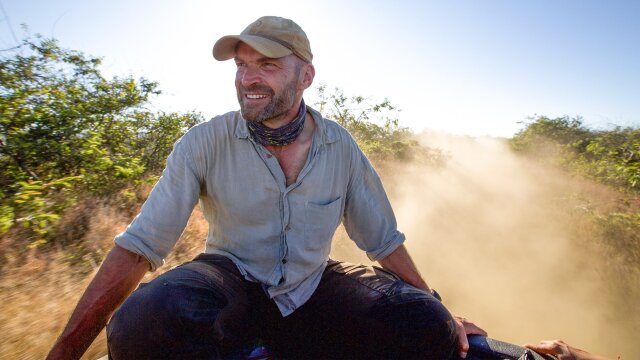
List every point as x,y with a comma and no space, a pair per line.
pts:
64,128
376,128
614,158
611,157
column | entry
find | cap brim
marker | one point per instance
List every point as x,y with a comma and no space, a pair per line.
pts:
225,47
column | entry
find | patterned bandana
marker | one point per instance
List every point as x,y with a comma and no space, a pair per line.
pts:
281,136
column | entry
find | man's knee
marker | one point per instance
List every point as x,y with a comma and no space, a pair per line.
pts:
184,309
403,321
420,326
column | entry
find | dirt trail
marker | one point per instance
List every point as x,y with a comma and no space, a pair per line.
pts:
493,233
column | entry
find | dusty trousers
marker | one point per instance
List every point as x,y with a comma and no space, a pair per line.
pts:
205,309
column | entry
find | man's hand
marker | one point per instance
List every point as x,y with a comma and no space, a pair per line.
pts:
562,350
465,327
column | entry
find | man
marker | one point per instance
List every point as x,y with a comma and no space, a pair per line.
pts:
274,181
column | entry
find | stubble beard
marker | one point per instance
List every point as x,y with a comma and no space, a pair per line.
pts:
279,104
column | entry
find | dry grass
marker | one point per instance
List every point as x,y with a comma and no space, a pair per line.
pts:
38,291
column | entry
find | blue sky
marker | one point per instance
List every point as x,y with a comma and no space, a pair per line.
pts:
461,66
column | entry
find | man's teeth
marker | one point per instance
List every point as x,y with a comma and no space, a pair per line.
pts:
252,96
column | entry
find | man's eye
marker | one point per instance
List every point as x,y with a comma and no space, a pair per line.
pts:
241,64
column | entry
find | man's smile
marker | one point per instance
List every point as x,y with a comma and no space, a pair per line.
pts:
256,96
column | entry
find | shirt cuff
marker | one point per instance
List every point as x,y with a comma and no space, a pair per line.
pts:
388,247
137,246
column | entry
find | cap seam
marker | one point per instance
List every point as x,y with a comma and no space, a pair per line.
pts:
281,42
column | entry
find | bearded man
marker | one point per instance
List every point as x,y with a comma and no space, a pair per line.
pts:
274,180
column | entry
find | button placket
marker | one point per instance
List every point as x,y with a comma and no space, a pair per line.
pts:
285,211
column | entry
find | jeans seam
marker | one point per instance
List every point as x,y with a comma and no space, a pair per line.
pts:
360,282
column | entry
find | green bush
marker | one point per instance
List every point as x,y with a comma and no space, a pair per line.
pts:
66,130
611,157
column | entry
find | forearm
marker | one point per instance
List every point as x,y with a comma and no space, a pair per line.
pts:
118,276
400,263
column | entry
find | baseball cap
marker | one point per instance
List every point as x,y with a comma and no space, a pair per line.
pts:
271,36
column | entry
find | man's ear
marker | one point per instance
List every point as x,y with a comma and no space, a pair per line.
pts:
308,73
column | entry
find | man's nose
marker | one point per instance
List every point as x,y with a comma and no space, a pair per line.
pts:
250,76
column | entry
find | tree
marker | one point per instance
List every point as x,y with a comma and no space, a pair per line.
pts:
613,157
60,117
610,157
557,140
376,128
64,126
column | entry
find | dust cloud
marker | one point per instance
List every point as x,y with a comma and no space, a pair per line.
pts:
491,232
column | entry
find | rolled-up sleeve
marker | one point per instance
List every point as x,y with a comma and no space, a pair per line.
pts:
368,216
164,215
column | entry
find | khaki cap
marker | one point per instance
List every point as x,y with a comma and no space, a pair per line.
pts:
271,36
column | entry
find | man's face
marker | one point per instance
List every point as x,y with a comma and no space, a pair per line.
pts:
267,88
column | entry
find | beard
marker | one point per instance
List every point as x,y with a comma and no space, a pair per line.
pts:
279,104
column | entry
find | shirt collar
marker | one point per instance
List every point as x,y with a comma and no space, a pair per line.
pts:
242,131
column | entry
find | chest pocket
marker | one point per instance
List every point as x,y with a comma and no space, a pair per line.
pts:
321,221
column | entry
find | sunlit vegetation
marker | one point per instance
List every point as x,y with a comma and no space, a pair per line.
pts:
609,157
67,132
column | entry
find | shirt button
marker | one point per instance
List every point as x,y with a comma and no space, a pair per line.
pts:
269,156
284,261
287,228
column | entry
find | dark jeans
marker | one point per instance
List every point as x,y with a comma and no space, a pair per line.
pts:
205,309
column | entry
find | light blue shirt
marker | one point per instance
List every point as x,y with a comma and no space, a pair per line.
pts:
275,234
